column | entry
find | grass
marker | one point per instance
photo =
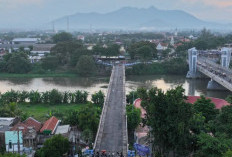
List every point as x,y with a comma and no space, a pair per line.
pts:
30,75
40,111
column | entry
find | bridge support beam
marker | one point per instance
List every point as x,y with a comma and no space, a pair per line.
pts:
194,75
213,85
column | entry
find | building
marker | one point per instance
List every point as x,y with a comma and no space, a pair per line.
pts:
63,130
14,141
172,42
35,59
30,127
5,125
26,40
81,37
42,49
162,46
50,126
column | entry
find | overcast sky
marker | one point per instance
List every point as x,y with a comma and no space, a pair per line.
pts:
28,11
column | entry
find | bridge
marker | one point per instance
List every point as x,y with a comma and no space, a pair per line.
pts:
112,131
202,66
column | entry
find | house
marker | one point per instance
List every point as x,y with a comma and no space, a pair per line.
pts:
42,49
81,37
50,126
29,128
5,125
14,141
162,46
26,40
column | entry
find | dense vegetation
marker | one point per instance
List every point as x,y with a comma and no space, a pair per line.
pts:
181,129
177,66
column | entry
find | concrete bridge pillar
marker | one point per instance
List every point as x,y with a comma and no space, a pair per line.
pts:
192,59
213,85
225,57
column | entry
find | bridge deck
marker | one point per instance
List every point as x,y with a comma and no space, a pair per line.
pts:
215,72
112,132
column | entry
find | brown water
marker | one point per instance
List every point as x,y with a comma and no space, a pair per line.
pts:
91,85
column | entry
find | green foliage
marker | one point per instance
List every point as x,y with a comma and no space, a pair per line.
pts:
62,37
86,65
88,118
55,146
11,155
223,122
64,51
55,97
49,63
206,108
229,99
228,154
144,50
130,98
133,117
17,62
174,66
10,110
98,98
212,146
169,117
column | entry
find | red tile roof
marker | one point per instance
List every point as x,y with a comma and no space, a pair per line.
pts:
20,126
31,122
219,103
50,124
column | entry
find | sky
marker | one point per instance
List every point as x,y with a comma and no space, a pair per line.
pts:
23,12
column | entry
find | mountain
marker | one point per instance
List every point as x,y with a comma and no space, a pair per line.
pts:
134,18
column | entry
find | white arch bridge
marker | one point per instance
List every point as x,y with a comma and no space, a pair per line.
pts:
204,64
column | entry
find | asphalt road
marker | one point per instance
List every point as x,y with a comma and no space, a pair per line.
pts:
112,137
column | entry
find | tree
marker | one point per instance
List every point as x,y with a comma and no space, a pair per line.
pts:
55,97
98,98
86,65
169,116
145,52
209,145
56,146
65,50
62,37
50,63
206,107
130,98
18,63
229,99
88,118
133,117
224,120
10,110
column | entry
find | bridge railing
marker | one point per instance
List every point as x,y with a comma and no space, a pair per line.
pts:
216,78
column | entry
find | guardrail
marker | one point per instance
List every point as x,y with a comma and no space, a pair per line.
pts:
216,78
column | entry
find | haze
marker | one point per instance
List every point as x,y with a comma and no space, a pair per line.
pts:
22,13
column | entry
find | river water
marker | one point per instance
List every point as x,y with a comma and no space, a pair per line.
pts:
91,85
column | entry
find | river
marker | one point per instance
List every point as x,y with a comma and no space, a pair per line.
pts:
91,85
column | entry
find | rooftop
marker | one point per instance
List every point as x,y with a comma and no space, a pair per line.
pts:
26,39
50,125
63,129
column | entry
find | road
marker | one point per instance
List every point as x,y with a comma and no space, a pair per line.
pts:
112,136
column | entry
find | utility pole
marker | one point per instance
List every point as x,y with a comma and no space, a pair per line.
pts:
68,24
18,142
